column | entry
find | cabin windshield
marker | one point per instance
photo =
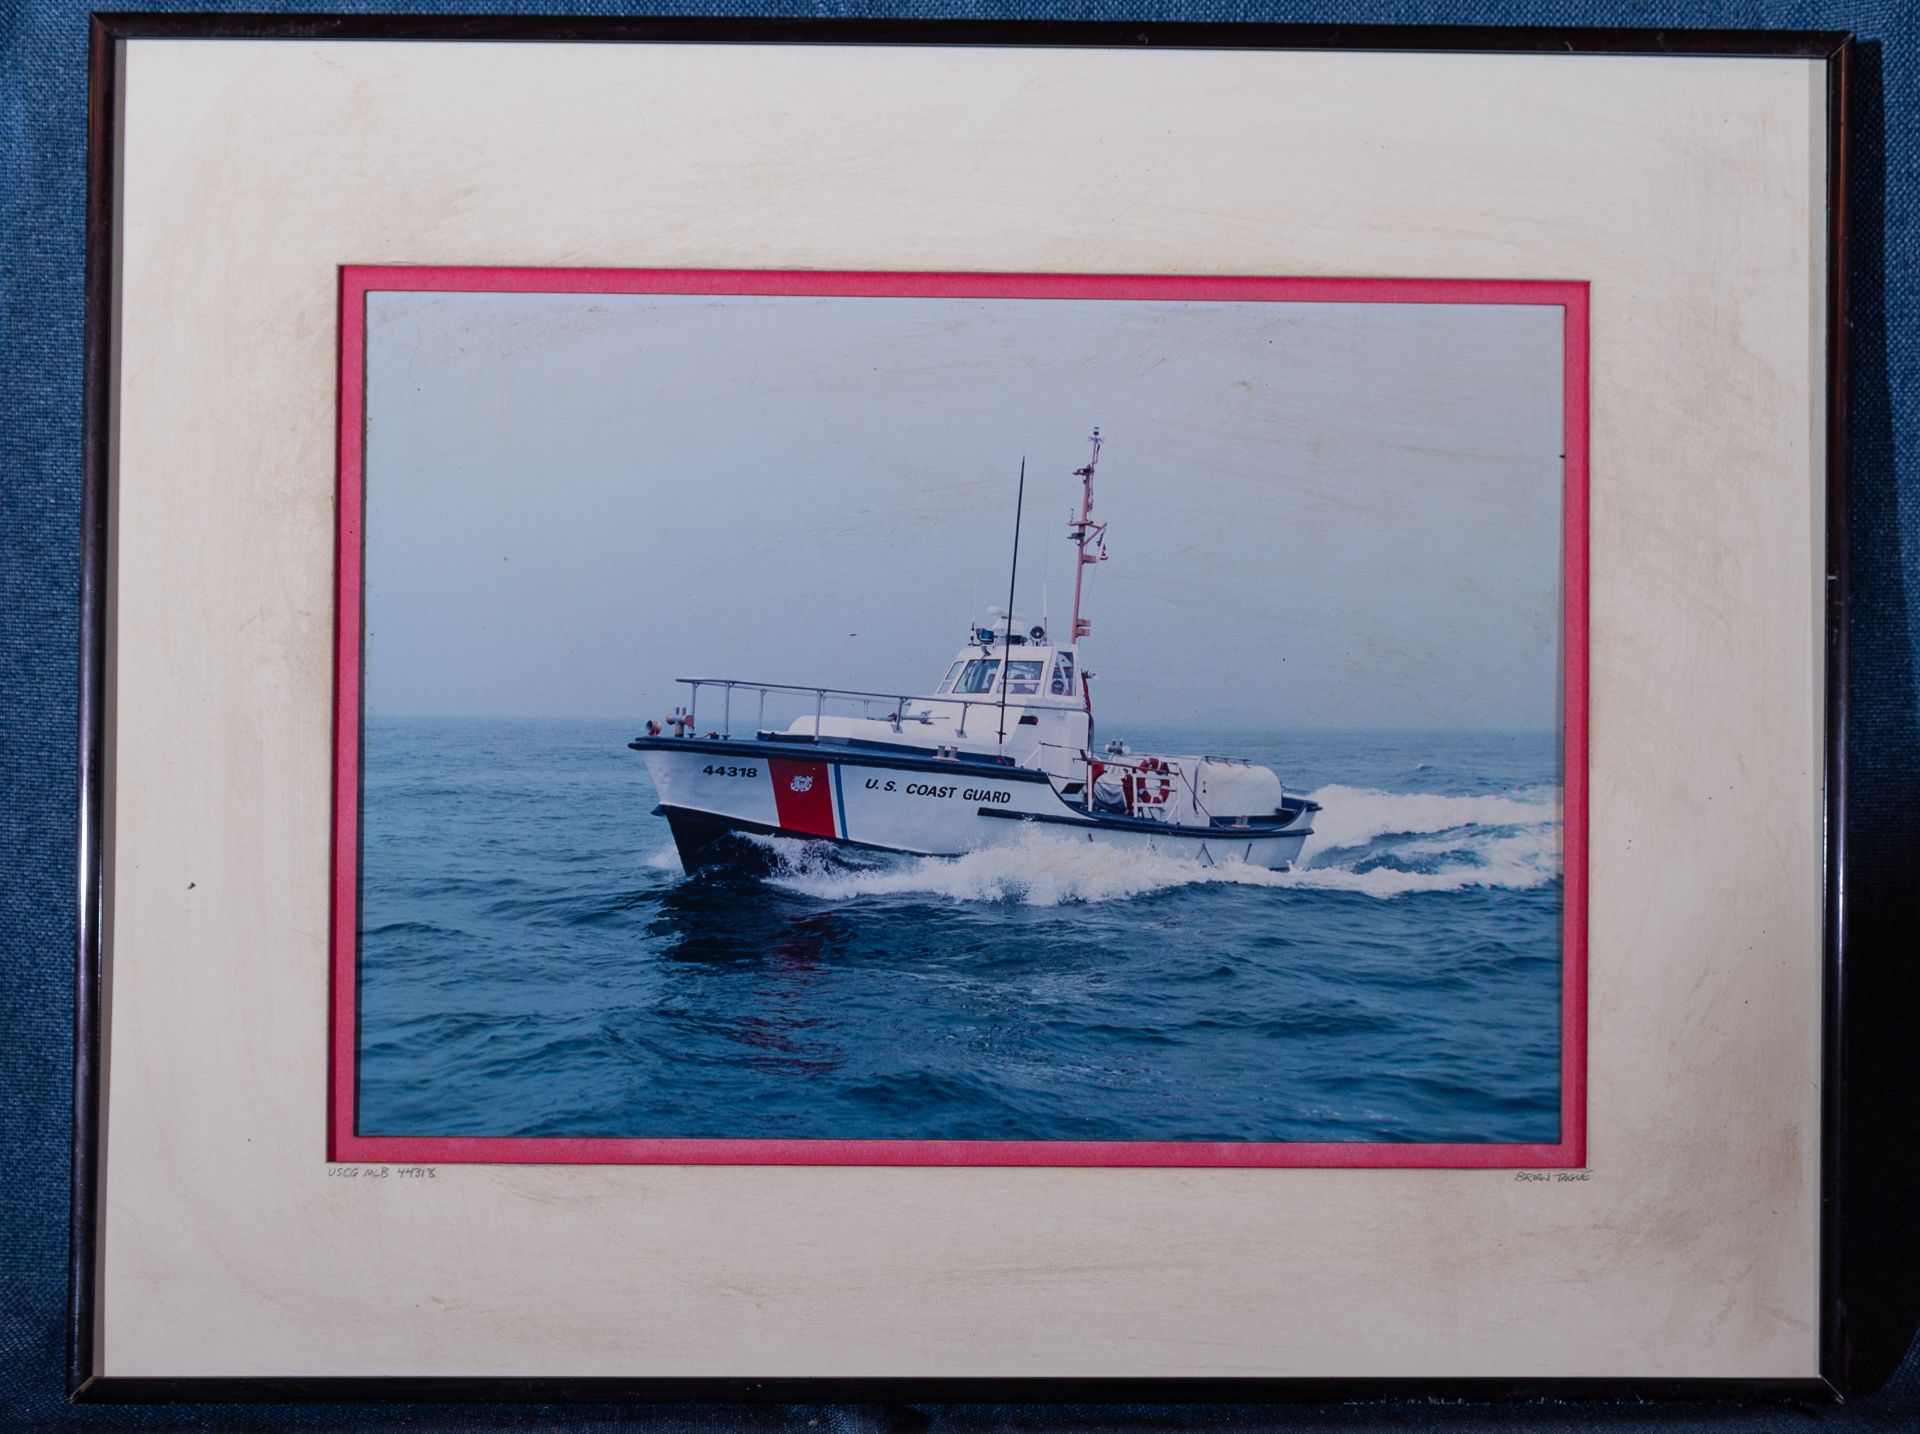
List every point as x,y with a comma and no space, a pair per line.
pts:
1024,676
1062,683
978,676
953,672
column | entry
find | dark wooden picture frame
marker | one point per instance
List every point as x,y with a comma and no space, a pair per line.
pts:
1844,1168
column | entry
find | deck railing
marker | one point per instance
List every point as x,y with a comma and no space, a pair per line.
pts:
901,707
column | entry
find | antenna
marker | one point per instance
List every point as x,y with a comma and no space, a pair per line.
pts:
1046,607
1006,622
1082,531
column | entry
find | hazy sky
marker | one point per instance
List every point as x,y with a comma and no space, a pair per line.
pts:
1322,514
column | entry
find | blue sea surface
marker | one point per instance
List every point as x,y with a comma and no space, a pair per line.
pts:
533,962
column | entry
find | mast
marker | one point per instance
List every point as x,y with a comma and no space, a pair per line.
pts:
1006,620
1084,533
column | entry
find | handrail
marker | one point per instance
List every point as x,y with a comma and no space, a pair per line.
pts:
802,687
900,701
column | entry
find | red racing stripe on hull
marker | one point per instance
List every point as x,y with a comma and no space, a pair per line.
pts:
803,796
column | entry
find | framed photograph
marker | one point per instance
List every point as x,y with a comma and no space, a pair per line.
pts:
1012,854
805,706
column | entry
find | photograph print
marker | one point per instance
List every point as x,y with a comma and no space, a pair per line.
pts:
895,718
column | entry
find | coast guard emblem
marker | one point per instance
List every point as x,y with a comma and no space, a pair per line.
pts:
801,784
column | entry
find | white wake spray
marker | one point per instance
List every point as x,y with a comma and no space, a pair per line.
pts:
1355,816
1380,844
665,859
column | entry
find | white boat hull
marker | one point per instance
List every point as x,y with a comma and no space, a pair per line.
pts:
711,791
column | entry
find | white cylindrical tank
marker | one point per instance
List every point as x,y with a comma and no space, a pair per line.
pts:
1236,789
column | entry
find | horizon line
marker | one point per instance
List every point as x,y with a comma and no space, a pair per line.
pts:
1228,725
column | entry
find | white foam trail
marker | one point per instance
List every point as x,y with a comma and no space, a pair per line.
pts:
666,859
1518,848
1527,858
1039,870
1354,816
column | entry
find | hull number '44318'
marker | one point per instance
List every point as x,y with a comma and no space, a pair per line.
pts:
712,771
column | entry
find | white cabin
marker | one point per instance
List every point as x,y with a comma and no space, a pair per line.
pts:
1009,691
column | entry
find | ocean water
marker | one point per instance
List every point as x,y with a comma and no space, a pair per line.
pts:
533,962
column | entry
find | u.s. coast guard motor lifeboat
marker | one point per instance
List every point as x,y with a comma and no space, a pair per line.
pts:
1003,744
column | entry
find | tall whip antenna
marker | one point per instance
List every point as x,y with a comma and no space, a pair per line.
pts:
1086,535
1006,620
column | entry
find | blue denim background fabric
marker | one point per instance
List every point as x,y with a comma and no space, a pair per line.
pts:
43,154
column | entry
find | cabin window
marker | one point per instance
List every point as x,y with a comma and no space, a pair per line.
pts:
1024,676
953,673
978,676
1062,683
